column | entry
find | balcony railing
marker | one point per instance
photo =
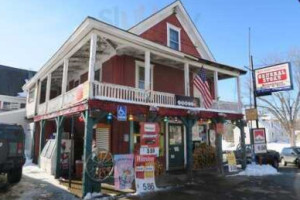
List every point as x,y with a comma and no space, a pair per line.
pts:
125,94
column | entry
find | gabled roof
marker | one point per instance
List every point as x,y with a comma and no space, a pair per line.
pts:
184,19
12,79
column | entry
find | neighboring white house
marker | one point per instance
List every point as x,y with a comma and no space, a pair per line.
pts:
8,103
274,131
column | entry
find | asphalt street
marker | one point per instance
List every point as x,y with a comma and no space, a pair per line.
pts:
286,185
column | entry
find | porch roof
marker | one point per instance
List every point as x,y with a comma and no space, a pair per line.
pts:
91,24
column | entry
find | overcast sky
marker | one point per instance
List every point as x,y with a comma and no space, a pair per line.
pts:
31,31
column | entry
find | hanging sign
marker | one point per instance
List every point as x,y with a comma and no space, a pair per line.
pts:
251,114
123,171
149,134
273,78
187,101
144,173
122,113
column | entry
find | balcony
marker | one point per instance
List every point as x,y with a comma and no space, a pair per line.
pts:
124,94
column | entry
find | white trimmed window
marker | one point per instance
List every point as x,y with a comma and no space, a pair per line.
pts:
173,34
140,75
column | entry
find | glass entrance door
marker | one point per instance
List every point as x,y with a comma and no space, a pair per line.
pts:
176,146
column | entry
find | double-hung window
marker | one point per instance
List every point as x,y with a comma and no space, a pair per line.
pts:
140,75
173,35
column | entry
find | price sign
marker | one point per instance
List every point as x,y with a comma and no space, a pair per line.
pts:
260,148
154,151
144,173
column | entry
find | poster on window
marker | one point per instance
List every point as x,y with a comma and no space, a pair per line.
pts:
144,174
123,171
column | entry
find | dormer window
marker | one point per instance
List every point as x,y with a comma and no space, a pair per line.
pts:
173,37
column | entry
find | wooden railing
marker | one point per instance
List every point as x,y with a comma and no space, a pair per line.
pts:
129,94
119,93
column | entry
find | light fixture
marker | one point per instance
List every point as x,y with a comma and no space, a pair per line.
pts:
109,116
130,118
166,119
176,119
209,121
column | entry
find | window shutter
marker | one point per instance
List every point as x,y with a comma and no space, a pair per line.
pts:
103,137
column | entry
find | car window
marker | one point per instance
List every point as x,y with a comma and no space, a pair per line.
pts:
297,150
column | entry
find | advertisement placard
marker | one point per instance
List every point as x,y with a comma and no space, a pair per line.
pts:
259,140
123,171
273,78
144,173
149,134
231,162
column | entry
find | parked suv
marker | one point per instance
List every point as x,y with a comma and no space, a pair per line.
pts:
290,155
270,157
12,156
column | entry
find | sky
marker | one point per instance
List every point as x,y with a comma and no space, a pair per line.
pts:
31,31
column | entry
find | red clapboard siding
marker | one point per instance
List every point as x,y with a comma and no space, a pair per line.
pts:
118,130
168,79
158,34
119,70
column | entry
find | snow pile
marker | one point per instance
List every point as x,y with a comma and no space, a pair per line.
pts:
258,170
94,196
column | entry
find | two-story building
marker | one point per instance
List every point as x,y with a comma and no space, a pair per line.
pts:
149,69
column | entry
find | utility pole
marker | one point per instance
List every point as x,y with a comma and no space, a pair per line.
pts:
254,87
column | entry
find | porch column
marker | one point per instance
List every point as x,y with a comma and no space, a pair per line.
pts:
59,129
147,71
88,185
239,92
241,125
189,123
219,150
37,96
42,138
48,89
131,137
65,76
216,85
92,59
186,79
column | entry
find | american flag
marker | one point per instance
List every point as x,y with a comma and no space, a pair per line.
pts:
203,87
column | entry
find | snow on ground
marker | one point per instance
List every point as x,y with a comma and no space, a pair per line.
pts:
94,196
33,171
258,170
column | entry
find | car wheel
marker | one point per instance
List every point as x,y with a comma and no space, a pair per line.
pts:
275,164
15,175
283,162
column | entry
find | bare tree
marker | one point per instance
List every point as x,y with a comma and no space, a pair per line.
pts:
285,106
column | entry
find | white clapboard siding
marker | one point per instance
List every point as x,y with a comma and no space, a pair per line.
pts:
103,138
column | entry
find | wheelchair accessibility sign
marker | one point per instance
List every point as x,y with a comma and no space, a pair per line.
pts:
122,113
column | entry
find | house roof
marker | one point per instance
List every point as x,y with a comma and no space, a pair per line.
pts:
90,24
185,20
12,79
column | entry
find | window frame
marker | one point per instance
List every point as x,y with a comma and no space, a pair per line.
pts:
138,64
178,30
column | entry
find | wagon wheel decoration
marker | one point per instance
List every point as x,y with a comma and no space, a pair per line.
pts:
99,165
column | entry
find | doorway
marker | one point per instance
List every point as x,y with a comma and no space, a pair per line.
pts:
176,144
